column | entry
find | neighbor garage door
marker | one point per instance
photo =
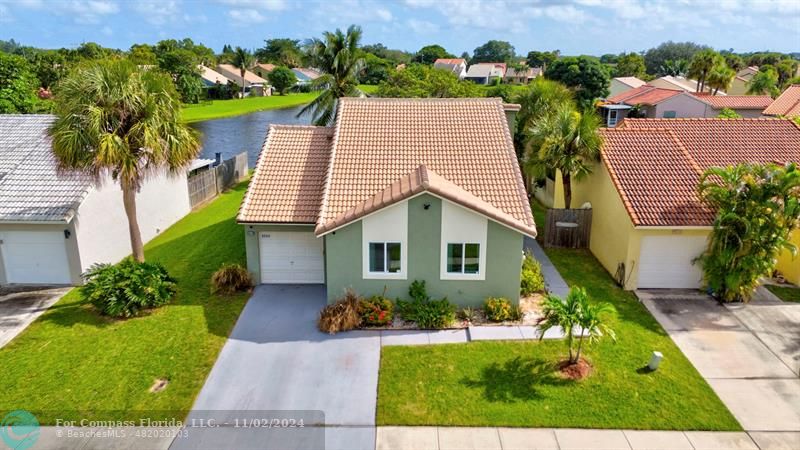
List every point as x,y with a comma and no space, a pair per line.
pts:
35,257
291,257
665,262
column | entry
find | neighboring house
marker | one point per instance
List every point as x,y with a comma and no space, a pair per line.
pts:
457,66
622,84
648,223
263,70
741,82
398,190
253,84
485,73
211,77
680,83
523,76
653,102
53,225
748,106
305,76
787,104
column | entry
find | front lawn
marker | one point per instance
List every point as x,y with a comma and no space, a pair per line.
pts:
785,293
514,383
73,363
217,109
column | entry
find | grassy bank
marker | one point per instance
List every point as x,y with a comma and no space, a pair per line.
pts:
218,109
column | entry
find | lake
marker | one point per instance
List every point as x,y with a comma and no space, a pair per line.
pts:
233,135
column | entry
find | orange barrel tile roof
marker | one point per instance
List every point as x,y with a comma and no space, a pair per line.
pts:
787,104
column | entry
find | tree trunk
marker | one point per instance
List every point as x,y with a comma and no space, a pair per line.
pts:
580,345
242,73
569,343
129,200
566,180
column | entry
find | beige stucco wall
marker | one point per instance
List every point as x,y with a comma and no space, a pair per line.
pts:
684,105
617,87
738,87
788,265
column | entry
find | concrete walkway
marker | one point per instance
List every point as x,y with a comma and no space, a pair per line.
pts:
446,438
20,309
747,353
552,279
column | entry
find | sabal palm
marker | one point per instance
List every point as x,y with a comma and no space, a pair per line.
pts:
242,60
720,78
115,119
702,63
569,141
338,57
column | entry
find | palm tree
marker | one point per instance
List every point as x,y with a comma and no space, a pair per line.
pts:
575,314
338,57
675,68
242,59
113,118
568,141
764,82
720,78
701,65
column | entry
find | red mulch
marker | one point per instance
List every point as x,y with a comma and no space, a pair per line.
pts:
576,371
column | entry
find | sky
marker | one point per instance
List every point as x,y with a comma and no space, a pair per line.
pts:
591,27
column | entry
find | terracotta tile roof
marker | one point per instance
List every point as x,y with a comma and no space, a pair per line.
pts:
757,102
656,178
645,95
266,67
418,181
787,104
450,61
466,141
656,163
289,178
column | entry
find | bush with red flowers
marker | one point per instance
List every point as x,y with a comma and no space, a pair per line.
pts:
375,311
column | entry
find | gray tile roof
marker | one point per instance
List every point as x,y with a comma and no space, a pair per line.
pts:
31,189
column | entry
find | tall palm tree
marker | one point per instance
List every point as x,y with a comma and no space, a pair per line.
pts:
242,60
568,141
702,63
338,57
720,78
113,118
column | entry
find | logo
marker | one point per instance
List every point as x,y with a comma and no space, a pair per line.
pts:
19,429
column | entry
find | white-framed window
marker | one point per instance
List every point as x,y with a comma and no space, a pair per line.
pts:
670,114
612,117
385,257
463,258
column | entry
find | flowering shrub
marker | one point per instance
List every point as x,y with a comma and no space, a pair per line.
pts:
375,311
499,309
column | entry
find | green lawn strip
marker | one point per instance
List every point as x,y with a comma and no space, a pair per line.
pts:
217,109
73,364
368,88
514,384
785,293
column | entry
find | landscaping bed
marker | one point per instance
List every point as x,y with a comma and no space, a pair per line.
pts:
73,363
786,292
518,384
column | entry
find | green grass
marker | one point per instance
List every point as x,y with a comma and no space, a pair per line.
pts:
217,109
514,383
73,363
785,293
368,88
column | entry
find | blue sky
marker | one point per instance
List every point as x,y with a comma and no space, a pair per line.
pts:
573,26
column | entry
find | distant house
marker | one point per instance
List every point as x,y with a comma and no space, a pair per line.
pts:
253,84
787,104
485,73
523,76
652,102
750,106
304,75
621,84
54,224
211,77
741,82
457,66
263,70
681,83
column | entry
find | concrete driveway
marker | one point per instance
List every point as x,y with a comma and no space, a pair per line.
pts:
19,309
748,354
277,365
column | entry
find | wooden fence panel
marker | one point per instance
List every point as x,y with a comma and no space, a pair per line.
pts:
202,187
568,228
231,171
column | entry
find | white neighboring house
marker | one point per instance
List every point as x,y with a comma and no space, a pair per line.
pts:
253,84
622,84
679,83
457,66
54,226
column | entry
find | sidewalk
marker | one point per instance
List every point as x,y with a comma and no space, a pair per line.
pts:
441,438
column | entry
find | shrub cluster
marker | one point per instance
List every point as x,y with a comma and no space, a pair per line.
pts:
424,311
498,309
126,288
531,279
231,278
375,311
340,316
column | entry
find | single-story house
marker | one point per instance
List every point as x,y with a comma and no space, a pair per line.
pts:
749,106
253,84
55,225
680,83
397,190
457,66
212,78
654,102
741,82
304,75
787,104
619,85
648,222
485,73
522,76
263,69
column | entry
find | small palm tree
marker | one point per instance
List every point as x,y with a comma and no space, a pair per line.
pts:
338,57
114,118
568,141
242,60
575,314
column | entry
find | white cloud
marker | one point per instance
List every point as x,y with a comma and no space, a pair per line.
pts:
107,30
269,5
159,12
81,11
346,12
422,26
246,16
5,14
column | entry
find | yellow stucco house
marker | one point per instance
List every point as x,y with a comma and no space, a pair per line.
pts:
649,223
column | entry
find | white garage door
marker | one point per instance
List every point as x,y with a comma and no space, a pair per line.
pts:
291,257
666,262
35,257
